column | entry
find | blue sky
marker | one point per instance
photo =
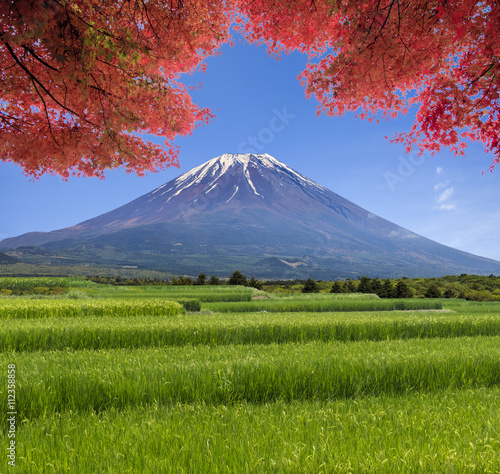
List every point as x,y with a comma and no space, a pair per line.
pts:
261,107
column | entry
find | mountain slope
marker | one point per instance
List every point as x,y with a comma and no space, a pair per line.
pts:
256,210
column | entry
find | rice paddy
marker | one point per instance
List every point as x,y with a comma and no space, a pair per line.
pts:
71,308
444,431
114,332
26,284
126,380
327,304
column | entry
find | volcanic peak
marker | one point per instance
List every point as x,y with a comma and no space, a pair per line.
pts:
209,174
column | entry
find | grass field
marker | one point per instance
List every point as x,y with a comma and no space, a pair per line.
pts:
327,304
113,332
122,379
444,431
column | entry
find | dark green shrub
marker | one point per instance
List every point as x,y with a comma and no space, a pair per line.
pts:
310,286
190,304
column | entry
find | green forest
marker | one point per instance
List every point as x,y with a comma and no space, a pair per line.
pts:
468,287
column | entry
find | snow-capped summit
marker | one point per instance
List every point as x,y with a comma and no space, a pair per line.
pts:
234,181
218,171
244,207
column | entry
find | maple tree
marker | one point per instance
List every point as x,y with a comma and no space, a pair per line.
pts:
379,58
82,78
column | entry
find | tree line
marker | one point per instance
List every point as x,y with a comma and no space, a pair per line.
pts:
469,287
236,278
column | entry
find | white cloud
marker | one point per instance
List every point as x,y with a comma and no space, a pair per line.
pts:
440,185
447,207
443,200
445,195
439,170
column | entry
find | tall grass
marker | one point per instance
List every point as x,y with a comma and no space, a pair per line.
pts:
202,293
113,332
447,431
51,382
10,309
472,307
323,296
305,305
217,296
98,390
18,284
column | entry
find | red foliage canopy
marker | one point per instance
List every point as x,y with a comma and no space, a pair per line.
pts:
81,78
384,56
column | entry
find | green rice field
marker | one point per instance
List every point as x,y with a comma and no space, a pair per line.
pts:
125,379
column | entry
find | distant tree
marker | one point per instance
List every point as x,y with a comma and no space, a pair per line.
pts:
364,285
310,286
449,293
388,290
255,283
237,278
201,280
433,292
483,295
403,290
337,287
376,286
182,280
351,286
214,280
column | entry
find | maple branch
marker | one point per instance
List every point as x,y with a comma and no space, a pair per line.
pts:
204,22
373,20
149,21
38,58
103,115
104,93
383,25
46,112
115,66
483,73
90,26
474,106
406,48
384,69
35,79
4,118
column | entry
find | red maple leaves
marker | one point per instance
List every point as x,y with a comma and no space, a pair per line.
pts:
81,79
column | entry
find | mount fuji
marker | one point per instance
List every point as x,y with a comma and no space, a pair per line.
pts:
257,214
